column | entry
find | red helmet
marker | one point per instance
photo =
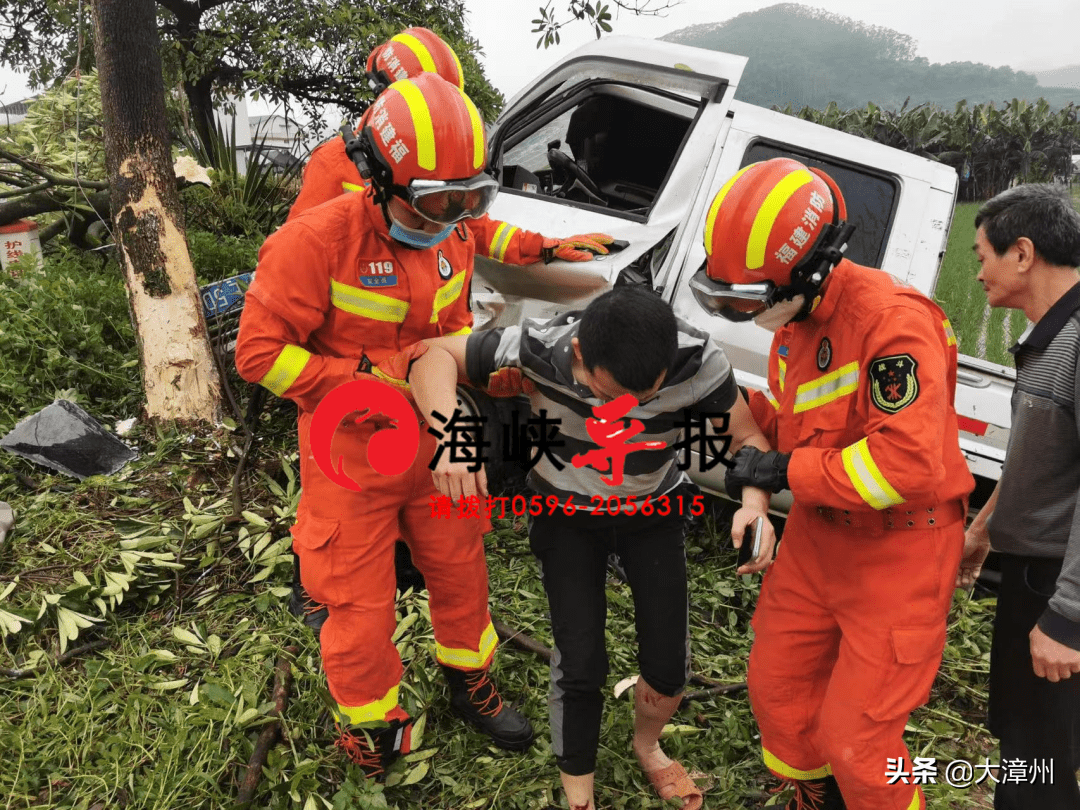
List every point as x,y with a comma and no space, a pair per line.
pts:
424,142
767,233
410,53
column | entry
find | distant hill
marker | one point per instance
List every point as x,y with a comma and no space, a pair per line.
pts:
806,56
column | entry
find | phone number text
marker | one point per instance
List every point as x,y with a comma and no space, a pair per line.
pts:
504,506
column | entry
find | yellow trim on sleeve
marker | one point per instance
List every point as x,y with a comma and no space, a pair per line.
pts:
867,478
288,366
350,187
950,335
465,330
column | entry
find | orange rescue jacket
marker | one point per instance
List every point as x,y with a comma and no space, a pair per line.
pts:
861,395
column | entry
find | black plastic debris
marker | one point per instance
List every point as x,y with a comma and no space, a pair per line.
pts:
65,438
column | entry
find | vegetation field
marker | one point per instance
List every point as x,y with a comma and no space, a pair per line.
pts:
980,331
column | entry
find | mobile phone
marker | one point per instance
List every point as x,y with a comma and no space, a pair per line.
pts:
751,543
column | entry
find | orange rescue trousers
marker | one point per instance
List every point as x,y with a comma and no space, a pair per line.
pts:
848,636
345,540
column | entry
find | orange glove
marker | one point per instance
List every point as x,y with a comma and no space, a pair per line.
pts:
508,381
579,248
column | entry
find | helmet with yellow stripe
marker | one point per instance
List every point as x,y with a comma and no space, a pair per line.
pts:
424,142
774,231
410,53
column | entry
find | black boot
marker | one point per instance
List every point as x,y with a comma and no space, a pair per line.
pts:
474,698
815,794
301,604
386,744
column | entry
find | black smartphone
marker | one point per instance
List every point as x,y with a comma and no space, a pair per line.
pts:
751,543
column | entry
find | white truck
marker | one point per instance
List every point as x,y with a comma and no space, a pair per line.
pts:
633,137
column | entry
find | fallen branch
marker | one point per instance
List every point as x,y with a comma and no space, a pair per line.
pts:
719,689
60,660
272,730
522,639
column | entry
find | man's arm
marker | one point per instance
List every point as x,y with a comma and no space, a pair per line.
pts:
433,380
977,543
745,432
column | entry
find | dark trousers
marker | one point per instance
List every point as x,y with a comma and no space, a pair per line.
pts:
1038,722
573,553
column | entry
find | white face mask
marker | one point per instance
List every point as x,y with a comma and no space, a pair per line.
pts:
780,313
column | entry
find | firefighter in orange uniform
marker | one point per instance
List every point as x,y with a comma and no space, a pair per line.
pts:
330,172
344,286
850,624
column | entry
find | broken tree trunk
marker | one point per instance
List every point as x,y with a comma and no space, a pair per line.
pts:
179,375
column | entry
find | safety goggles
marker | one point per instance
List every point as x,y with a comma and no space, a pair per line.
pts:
736,302
450,201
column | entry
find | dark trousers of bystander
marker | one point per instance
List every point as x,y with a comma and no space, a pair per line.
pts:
1038,722
573,554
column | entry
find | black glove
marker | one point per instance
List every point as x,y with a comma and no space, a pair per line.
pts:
754,468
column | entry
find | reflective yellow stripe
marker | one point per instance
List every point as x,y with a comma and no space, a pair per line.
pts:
351,186
915,803
368,304
773,402
867,478
781,374
823,390
767,214
386,378
774,764
448,293
369,713
467,659
950,335
465,330
478,156
423,55
460,72
285,370
710,220
422,123
501,241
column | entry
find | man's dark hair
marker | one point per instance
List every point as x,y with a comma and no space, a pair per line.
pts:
631,333
1042,213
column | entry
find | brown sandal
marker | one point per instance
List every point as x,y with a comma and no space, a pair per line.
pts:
673,781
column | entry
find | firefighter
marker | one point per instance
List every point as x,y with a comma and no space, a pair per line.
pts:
344,286
850,624
330,172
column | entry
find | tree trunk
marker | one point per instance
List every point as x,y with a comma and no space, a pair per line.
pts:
179,374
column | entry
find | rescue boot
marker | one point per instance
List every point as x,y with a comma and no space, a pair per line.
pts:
302,605
386,744
474,698
814,794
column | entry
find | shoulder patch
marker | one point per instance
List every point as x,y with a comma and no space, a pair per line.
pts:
894,383
824,354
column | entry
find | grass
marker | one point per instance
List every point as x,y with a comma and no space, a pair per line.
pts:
166,711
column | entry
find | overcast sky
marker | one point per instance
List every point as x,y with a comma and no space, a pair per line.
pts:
1020,34
996,32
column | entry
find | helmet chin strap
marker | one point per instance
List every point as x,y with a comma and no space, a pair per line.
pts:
807,282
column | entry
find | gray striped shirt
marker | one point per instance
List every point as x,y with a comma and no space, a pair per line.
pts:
700,382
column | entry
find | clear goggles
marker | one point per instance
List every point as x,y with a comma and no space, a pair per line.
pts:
450,201
736,302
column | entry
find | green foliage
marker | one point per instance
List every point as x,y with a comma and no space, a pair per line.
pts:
166,712
216,257
806,56
66,328
62,130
